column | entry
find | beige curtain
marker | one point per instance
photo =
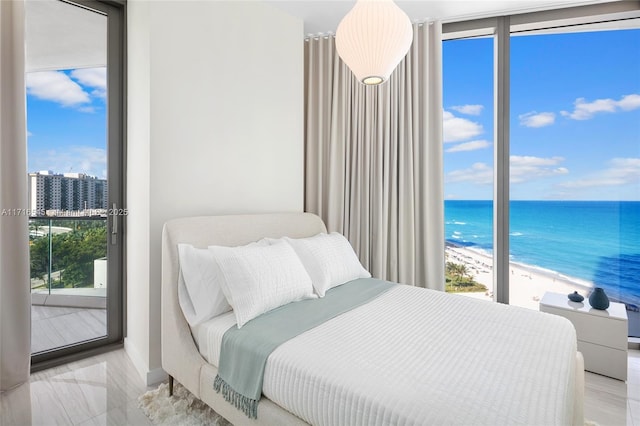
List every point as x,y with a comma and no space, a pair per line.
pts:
373,158
15,292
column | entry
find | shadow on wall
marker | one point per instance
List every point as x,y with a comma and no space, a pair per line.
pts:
620,278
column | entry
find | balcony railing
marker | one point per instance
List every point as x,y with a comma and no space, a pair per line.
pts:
68,257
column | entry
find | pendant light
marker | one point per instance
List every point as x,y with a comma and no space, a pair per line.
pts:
373,38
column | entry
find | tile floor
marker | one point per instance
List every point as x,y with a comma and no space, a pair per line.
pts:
103,390
613,402
53,326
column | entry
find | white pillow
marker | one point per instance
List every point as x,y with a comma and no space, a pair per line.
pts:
262,242
258,279
199,289
329,260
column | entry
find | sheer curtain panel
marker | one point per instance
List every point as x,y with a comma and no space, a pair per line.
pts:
373,158
15,292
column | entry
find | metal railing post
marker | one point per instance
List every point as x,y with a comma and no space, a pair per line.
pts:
50,256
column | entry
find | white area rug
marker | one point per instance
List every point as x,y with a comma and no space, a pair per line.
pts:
184,409
181,409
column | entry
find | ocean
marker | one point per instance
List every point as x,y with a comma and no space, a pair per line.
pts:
594,241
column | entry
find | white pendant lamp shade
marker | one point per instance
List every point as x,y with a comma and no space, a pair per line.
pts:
373,38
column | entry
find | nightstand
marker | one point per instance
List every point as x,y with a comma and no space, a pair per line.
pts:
602,335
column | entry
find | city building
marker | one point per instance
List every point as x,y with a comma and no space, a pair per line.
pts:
68,192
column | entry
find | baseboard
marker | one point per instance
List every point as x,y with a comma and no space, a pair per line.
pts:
156,376
136,359
150,377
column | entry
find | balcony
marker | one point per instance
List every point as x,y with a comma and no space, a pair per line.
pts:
68,280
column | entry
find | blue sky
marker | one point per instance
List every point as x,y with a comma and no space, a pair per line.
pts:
575,117
66,121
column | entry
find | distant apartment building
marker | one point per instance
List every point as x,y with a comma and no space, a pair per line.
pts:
66,192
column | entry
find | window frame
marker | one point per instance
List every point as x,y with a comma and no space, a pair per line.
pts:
115,11
594,17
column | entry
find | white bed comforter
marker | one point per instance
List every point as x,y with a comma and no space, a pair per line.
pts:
415,356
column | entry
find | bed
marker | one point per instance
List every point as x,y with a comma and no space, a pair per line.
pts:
447,360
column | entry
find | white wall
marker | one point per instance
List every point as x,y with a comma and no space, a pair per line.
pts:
215,126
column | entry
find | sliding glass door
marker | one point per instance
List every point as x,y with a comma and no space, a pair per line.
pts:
75,145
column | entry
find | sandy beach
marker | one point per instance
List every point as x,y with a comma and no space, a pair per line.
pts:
527,284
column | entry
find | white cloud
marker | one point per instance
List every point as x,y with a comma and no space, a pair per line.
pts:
95,78
470,146
57,87
620,171
530,161
527,168
468,109
479,173
458,129
629,102
537,119
76,159
584,110
522,169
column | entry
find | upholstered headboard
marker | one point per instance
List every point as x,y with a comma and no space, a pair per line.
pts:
180,357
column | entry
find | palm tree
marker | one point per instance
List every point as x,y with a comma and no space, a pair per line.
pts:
457,270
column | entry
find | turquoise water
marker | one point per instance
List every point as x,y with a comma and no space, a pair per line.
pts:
595,241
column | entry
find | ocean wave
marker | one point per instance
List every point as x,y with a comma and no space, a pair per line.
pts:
602,249
484,252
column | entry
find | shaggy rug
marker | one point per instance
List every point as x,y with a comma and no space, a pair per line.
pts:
182,408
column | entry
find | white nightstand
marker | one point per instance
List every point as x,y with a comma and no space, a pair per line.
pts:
602,335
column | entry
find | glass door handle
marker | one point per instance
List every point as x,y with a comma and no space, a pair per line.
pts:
114,224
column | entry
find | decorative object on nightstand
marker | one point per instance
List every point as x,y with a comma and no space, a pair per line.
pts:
599,299
602,335
576,297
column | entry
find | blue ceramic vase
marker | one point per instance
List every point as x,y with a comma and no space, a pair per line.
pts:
575,297
598,299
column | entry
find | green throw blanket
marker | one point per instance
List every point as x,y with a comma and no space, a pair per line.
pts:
244,352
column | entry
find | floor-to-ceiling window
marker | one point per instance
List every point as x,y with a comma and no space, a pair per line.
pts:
468,165
575,165
571,127
75,144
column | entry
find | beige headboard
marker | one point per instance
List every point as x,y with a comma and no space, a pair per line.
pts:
180,357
